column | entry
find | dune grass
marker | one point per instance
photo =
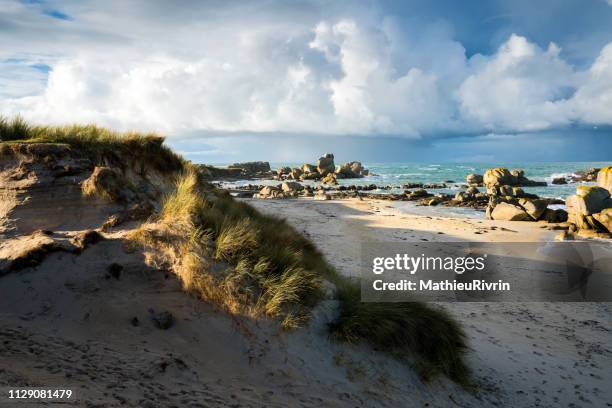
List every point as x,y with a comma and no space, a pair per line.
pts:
266,269
99,143
273,270
407,329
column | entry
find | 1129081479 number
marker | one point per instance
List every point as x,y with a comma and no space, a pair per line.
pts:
39,393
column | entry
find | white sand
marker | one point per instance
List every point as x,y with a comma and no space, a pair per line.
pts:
523,354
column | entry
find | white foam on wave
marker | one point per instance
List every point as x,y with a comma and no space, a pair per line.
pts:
566,176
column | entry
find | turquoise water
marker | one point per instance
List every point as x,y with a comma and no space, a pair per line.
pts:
396,174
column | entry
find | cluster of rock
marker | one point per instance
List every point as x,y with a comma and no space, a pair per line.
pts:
501,177
590,209
325,171
431,186
292,189
507,201
236,171
585,175
256,169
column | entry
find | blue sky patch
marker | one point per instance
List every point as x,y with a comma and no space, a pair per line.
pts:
57,14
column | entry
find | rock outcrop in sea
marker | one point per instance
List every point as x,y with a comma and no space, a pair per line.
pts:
509,202
325,170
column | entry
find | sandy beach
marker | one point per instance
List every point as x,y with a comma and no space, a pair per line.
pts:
522,354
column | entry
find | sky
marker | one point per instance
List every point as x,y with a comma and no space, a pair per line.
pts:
287,81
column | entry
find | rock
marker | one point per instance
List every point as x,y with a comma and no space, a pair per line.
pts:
296,173
249,169
474,179
559,180
462,196
589,233
472,191
322,195
509,212
215,173
604,178
309,168
352,169
561,215
604,218
535,208
518,192
310,176
434,201
564,236
330,179
498,177
434,185
585,175
326,165
162,320
501,176
549,216
416,194
291,186
412,185
283,171
506,190
588,200
270,192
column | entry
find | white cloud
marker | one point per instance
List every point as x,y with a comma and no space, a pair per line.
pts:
300,74
592,102
518,87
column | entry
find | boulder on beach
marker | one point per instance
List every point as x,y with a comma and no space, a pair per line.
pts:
270,192
291,186
604,218
589,210
326,165
535,208
588,200
604,178
509,212
330,179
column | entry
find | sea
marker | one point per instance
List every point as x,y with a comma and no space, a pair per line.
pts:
453,174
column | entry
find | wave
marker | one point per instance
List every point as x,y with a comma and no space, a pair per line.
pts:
566,176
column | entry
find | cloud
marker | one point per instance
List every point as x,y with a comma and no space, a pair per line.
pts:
284,69
592,102
517,88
